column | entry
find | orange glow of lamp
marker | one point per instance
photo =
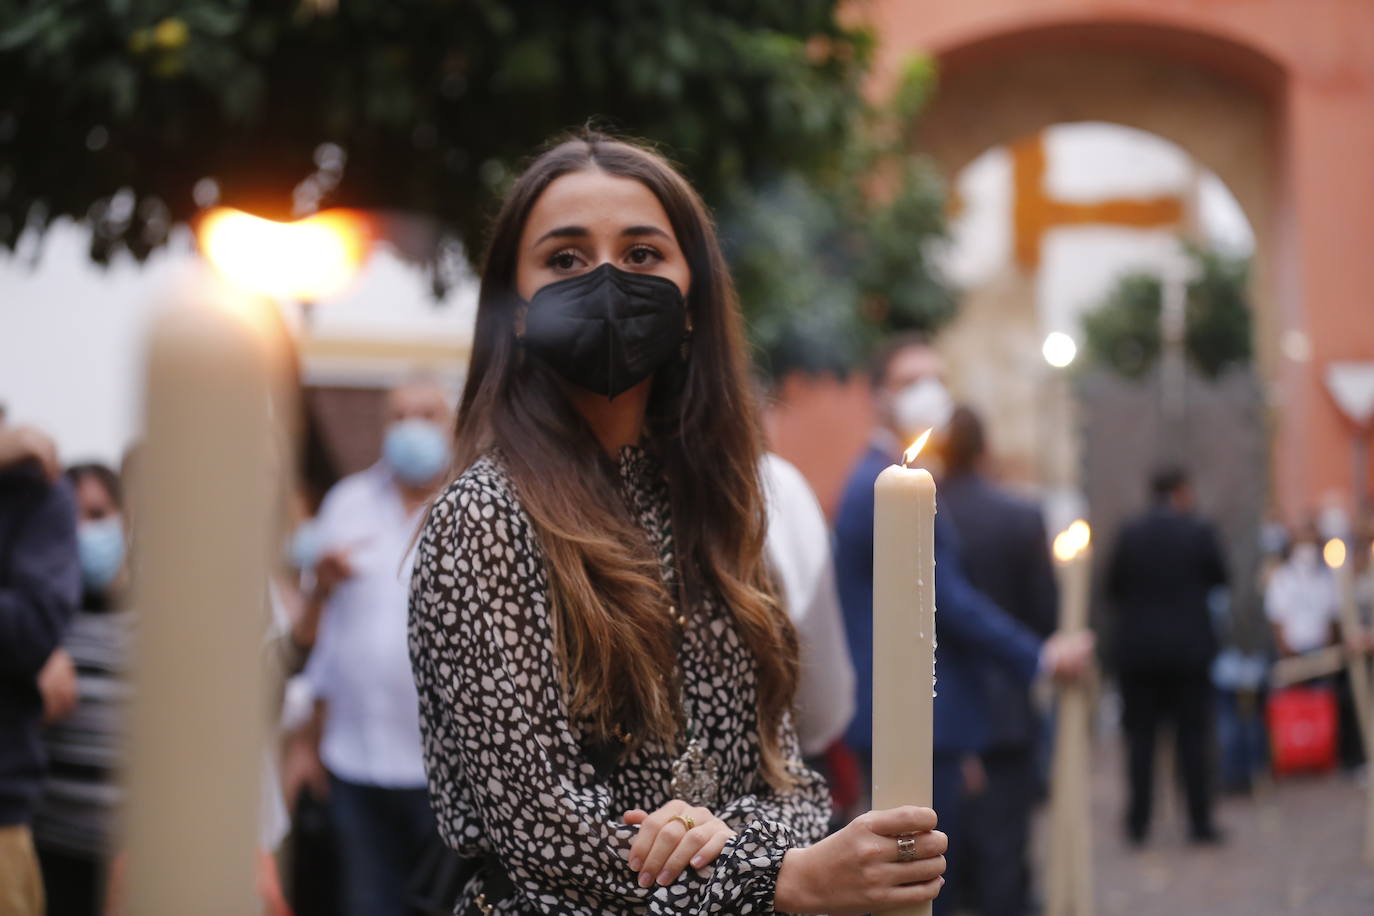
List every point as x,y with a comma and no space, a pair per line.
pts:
307,260
1333,552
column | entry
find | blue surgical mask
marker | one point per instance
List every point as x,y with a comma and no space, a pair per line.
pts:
304,549
100,545
416,451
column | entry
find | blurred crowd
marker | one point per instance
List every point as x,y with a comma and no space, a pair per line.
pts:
348,799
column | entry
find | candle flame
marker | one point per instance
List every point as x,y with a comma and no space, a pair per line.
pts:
1083,532
1072,541
1334,553
910,454
306,260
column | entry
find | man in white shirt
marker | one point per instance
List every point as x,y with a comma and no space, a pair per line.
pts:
360,669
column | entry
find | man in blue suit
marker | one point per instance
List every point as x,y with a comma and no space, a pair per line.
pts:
909,396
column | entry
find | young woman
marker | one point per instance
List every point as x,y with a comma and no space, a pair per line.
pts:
604,672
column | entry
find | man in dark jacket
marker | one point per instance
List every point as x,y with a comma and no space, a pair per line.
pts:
972,631
40,584
1164,565
1007,559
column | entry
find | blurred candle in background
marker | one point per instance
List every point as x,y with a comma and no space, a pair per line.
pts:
1070,891
1361,676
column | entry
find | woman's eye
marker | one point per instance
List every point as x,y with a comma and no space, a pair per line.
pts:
564,260
643,255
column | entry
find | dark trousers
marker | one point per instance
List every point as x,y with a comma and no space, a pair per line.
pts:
382,835
1241,738
74,885
947,785
994,877
314,866
1151,699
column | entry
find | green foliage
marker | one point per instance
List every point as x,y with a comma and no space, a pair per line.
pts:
828,264
113,111
434,101
1218,330
1123,333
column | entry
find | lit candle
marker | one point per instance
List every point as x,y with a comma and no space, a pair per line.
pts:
903,637
1334,552
1070,884
206,498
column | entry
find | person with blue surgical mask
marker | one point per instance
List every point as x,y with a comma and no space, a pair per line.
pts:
357,555
84,688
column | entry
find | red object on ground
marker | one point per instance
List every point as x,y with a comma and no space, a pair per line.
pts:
1302,729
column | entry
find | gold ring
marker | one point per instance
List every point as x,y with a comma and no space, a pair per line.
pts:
686,820
906,848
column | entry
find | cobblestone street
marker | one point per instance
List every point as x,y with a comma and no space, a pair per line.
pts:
1293,847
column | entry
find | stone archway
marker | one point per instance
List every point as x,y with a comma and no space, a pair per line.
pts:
1217,100
998,90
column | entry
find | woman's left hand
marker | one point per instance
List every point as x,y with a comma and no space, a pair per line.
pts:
666,845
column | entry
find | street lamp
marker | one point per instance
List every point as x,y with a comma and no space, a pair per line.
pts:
1059,349
1351,384
1056,432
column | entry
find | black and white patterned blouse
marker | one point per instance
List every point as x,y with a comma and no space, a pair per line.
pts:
508,773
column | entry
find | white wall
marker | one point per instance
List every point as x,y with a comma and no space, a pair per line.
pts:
71,333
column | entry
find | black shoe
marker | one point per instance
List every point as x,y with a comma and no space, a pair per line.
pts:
1208,836
1135,836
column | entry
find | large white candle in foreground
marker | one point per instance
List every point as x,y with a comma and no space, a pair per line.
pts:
903,637
205,497
1070,884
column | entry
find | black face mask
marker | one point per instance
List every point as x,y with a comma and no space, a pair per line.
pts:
606,330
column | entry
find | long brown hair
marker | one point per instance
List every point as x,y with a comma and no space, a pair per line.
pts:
615,638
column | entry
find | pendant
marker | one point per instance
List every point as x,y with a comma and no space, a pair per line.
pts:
696,778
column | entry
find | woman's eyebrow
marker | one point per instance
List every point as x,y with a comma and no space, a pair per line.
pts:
566,232
631,231
563,232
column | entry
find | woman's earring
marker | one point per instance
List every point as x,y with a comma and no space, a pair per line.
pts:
686,341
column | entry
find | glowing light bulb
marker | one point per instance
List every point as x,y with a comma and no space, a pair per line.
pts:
1059,349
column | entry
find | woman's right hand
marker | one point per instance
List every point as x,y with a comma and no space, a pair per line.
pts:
857,870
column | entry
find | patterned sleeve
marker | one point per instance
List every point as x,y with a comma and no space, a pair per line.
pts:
768,823
506,771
